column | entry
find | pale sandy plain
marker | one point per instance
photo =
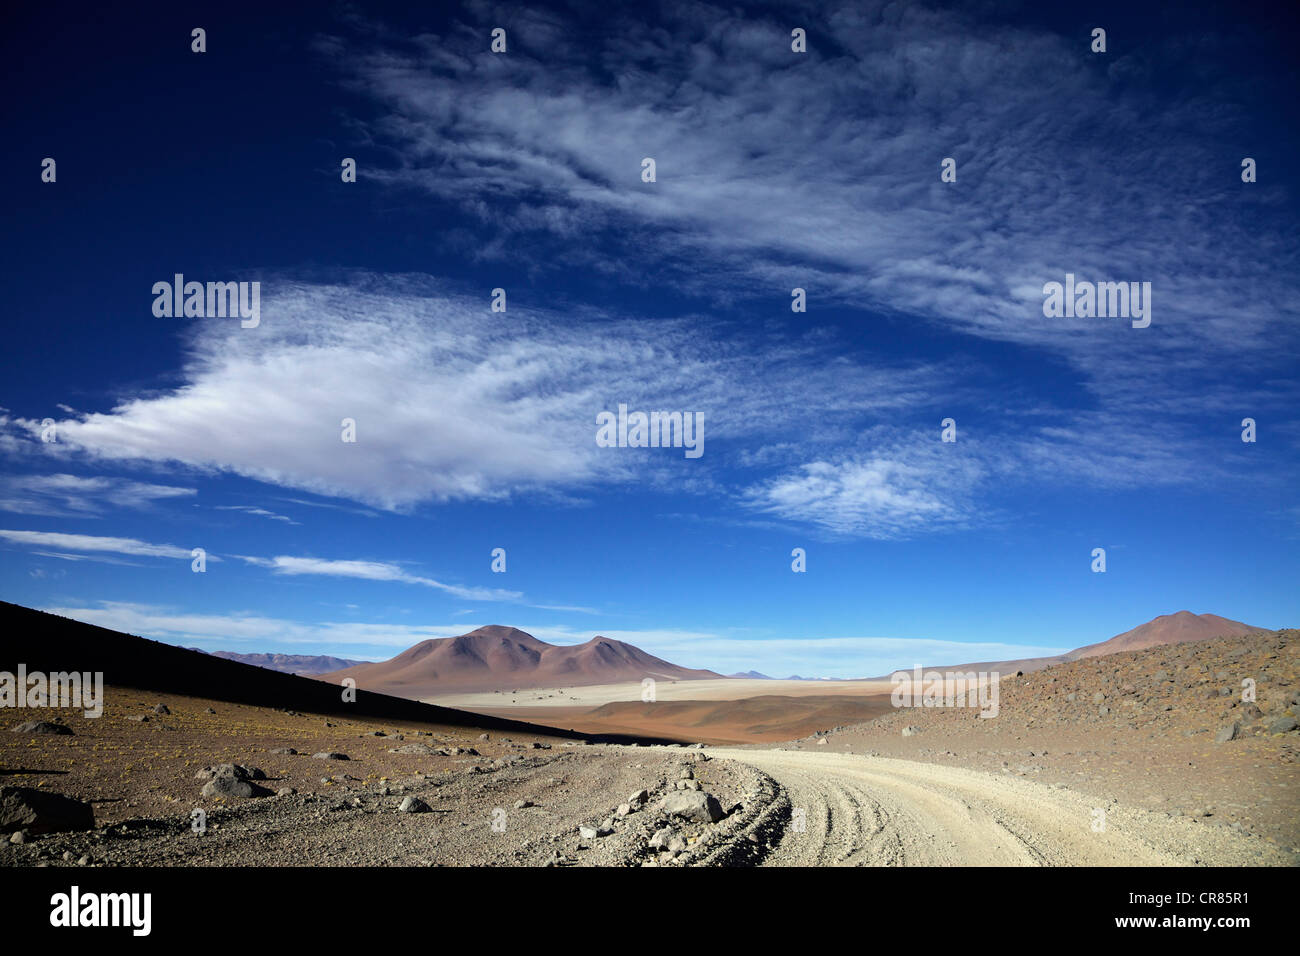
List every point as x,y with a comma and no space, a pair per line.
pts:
596,695
714,711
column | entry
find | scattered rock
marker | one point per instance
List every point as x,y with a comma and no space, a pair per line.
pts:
417,748
232,780
41,811
412,805
329,755
1227,732
43,727
660,840
694,805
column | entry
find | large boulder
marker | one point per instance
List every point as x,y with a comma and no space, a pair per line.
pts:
236,770
232,780
42,727
696,805
40,811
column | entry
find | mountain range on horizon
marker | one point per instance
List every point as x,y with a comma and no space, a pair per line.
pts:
500,658
496,657
304,665
1177,628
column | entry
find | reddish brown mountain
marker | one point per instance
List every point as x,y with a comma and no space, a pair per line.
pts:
1165,629
504,658
1169,629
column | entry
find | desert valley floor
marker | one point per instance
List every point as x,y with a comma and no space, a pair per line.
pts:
1144,757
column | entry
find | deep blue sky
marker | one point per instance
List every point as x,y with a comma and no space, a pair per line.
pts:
775,170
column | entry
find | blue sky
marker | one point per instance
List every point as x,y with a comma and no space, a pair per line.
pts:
775,170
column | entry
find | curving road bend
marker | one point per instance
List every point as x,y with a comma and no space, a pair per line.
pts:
878,811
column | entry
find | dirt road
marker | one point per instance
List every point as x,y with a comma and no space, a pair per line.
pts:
877,811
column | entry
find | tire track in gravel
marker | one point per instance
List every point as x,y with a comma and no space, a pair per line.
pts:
856,810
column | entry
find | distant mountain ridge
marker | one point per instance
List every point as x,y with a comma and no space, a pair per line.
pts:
1177,628
500,658
304,665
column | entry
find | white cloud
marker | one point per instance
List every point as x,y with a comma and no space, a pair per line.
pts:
74,495
259,512
451,404
96,543
821,171
375,571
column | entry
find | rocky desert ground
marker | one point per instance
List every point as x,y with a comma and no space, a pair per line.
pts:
1148,758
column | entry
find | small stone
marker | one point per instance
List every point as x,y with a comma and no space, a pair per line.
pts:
1227,732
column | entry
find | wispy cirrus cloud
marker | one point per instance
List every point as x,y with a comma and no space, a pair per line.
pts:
96,544
81,496
258,512
66,546
822,169
374,571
